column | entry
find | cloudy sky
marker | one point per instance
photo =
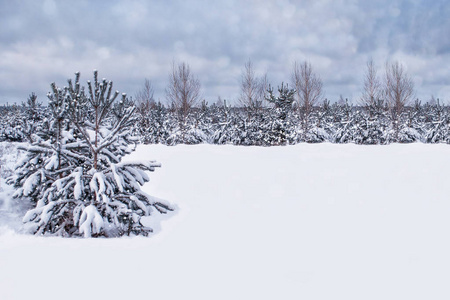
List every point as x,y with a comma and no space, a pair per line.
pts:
128,41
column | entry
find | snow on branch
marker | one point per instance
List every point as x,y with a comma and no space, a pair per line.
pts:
74,174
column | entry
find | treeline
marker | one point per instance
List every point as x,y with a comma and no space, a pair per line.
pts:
278,122
268,126
386,112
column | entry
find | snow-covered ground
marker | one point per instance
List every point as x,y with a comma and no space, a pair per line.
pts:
299,222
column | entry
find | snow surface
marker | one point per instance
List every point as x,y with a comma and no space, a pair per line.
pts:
307,221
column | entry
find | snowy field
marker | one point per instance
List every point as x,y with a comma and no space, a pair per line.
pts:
299,222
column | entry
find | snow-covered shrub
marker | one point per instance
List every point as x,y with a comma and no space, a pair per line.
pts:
189,136
437,129
316,135
11,124
224,129
33,119
74,176
250,131
370,130
345,124
152,126
185,130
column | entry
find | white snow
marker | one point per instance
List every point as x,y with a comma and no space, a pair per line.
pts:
307,221
90,221
77,189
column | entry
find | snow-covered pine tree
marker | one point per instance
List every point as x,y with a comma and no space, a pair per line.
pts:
370,129
33,118
155,128
437,130
410,130
345,124
203,119
11,120
224,124
250,128
372,123
281,130
319,127
76,179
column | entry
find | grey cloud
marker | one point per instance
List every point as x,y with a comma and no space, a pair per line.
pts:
45,41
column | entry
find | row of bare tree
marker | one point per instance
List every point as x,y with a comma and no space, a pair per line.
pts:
183,92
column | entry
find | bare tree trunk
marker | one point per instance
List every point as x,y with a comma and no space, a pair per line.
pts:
253,90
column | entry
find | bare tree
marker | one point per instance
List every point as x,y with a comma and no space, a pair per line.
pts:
432,100
372,86
145,95
398,88
308,88
183,91
145,102
253,89
398,91
263,88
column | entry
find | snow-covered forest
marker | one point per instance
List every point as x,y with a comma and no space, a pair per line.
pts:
387,112
222,123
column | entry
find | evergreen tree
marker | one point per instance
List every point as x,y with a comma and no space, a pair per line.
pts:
319,126
75,178
12,122
157,130
281,130
437,130
32,118
224,125
345,123
372,123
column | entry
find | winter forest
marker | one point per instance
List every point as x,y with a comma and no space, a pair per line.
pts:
264,115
